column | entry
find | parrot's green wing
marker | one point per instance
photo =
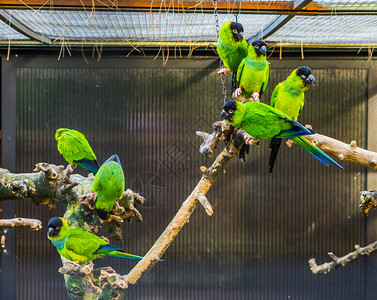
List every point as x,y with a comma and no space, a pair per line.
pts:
244,48
83,243
75,149
261,124
240,69
263,88
263,121
275,93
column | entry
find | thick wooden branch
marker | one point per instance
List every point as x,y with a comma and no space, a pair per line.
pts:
341,261
52,183
188,206
342,151
33,224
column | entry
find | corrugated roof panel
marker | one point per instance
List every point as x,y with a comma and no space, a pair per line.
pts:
328,29
348,4
7,32
133,26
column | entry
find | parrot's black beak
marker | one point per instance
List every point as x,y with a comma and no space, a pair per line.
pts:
240,36
51,231
310,79
263,50
224,115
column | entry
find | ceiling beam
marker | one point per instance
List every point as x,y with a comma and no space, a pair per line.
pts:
16,25
278,23
223,5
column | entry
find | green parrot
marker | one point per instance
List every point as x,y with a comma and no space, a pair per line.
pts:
262,121
231,46
81,246
253,71
75,149
108,185
288,96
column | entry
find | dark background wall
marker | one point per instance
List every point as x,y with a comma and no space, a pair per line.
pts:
265,226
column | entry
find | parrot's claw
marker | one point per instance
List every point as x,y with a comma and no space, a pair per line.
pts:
247,138
250,140
73,167
237,93
256,96
223,71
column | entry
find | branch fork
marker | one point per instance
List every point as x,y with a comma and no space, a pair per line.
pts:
341,261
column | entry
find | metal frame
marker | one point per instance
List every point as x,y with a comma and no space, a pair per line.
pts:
278,23
8,161
224,6
16,25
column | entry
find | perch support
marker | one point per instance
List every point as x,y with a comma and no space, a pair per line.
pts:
341,261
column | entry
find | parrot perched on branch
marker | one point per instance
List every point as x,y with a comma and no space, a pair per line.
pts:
262,121
231,46
81,246
253,72
288,96
108,185
76,150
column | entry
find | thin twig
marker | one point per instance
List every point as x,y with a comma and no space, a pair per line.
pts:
341,261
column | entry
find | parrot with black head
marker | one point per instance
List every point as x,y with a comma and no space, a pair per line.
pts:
231,46
288,96
262,121
253,72
81,246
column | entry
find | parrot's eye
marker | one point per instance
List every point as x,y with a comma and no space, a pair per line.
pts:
235,31
257,46
230,111
57,227
303,76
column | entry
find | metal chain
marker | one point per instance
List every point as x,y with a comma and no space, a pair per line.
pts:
234,75
222,76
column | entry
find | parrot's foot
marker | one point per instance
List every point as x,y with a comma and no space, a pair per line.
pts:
69,267
256,96
117,209
70,168
290,143
237,93
73,167
250,140
223,71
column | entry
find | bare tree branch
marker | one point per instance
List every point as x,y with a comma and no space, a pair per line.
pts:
341,261
197,196
21,222
53,183
342,151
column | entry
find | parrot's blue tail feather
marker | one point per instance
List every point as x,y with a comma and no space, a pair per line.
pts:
90,165
112,158
316,152
110,250
296,130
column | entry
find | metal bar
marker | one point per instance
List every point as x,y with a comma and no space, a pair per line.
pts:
247,7
12,22
209,45
109,4
8,161
278,23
